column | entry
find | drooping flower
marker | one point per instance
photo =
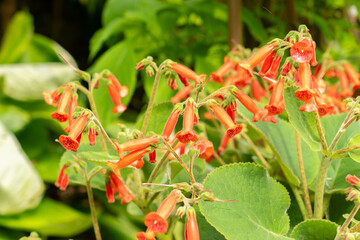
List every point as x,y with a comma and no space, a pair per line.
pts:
186,134
72,106
224,143
109,191
191,228
181,94
302,52
313,61
305,93
205,147
258,57
92,134
249,104
275,105
257,91
127,160
152,156
267,64
116,99
232,128
171,122
136,144
71,141
344,84
352,75
64,102
222,71
187,72
63,179
138,163
156,221
119,186
54,97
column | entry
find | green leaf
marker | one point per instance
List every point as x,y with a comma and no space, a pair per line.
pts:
27,81
13,118
337,172
315,229
281,137
49,218
259,209
16,38
355,154
21,187
331,125
159,115
120,60
304,122
120,227
206,231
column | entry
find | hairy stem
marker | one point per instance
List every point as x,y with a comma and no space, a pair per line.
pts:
104,134
303,177
151,101
347,149
92,209
180,161
300,202
347,122
160,163
320,131
320,184
257,152
347,222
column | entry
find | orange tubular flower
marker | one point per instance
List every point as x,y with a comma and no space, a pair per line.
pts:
148,235
171,122
156,221
302,52
123,90
232,128
70,142
62,180
249,104
187,72
191,229
136,144
224,143
116,98
181,94
73,105
305,93
344,84
127,160
323,108
54,97
61,114
92,136
275,105
119,186
267,64
257,91
186,134
109,191
313,61
138,163
352,75
205,147
258,57
220,73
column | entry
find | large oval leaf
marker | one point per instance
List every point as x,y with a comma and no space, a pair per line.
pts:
259,209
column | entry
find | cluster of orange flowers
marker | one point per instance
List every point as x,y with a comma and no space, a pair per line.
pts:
236,73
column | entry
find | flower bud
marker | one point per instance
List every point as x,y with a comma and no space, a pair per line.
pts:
180,212
149,71
353,180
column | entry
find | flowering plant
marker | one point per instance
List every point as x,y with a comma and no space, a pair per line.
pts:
274,102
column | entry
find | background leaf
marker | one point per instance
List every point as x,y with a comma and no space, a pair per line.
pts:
259,209
21,187
49,218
